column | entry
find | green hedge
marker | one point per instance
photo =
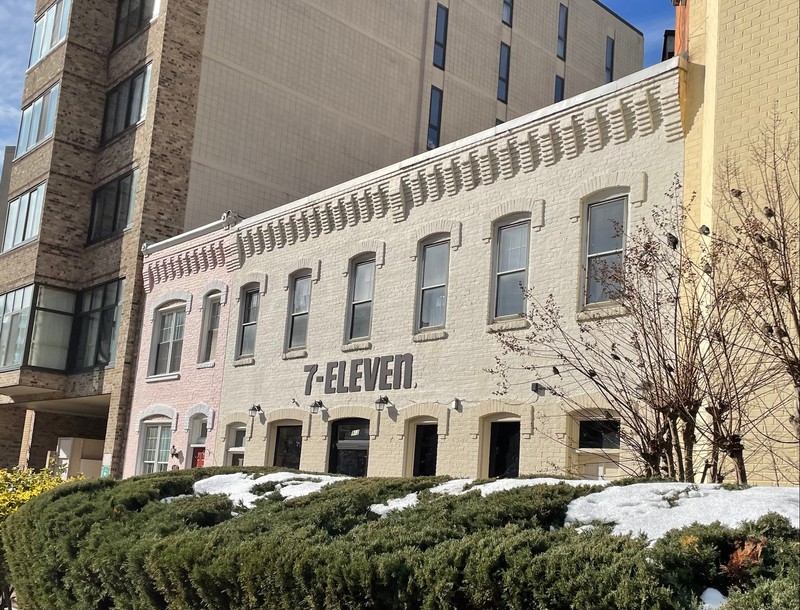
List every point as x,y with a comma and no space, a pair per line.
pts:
110,544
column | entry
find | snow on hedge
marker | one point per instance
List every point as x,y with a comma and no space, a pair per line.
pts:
238,486
653,509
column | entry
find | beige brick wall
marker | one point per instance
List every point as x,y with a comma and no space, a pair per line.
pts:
346,89
641,164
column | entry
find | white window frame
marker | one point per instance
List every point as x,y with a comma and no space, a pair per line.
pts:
589,203
303,274
56,20
17,315
501,224
209,301
230,437
31,225
48,101
362,259
433,240
156,463
246,291
160,315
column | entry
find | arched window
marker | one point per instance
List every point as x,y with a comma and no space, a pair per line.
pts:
605,217
168,330
512,237
248,321
212,306
359,297
433,274
235,441
299,307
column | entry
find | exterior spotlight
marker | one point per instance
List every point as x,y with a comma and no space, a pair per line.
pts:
316,406
704,230
254,410
537,388
173,452
455,405
381,402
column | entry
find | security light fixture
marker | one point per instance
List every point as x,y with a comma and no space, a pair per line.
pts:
316,406
254,410
381,402
537,388
174,451
455,405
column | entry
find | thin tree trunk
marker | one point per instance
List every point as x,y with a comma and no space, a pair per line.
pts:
673,427
688,446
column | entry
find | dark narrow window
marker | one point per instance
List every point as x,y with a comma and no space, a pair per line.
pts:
126,104
504,450
97,323
599,434
508,11
609,59
559,95
112,207
132,15
249,324
502,81
440,41
561,50
288,446
435,118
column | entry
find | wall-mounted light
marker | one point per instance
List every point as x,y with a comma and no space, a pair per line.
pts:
455,405
537,388
174,451
316,406
254,410
381,402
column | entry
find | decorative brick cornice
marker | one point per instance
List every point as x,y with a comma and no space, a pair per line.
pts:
181,263
642,105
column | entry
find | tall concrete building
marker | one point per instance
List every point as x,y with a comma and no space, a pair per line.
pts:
145,118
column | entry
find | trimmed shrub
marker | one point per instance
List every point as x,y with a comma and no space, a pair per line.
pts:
111,544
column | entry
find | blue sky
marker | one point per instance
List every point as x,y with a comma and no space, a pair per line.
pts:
652,17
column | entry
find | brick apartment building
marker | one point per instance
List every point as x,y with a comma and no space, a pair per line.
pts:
145,119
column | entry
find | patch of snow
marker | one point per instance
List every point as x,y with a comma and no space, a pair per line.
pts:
238,486
171,499
508,484
451,488
655,508
712,599
396,504
585,529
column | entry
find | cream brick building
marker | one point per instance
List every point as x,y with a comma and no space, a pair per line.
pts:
144,119
327,311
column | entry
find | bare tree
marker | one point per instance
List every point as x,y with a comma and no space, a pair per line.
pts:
699,330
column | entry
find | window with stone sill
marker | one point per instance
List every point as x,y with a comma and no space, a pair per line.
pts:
246,344
599,434
604,242
434,261
299,306
169,330
510,267
211,313
360,296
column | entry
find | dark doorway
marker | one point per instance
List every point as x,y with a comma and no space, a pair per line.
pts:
504,449
425,448
349,447
288,443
